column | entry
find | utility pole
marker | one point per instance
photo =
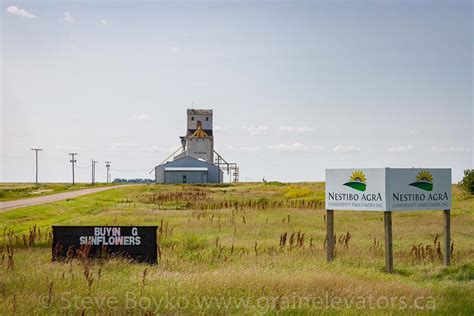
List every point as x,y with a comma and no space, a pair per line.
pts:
107,164
73,161
36,154
93,170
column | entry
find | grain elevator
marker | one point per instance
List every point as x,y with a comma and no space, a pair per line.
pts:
196,161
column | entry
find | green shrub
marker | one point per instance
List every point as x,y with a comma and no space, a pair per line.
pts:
467,183
464,272
192,243
263,201
274,183
187,243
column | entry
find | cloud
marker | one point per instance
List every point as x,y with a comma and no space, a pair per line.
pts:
8,156
263,129
158,149
296,147
219,128
346,148
255,130
244,148
67,18
450,149
296,129
120,146
68,148
173,48
20,12
414,132
104,22
400,149
141,116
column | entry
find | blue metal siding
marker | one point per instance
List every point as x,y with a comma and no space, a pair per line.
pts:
214,174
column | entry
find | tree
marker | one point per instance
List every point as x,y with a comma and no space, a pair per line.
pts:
119,180
467,183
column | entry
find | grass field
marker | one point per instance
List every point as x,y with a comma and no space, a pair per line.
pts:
15,191
222,252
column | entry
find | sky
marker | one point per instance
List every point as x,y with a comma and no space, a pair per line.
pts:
296,87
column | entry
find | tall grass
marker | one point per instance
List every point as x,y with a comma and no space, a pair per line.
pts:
272,254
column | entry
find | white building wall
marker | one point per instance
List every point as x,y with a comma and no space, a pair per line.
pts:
204,116
198,147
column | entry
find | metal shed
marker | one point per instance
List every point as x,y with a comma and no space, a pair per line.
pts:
188,170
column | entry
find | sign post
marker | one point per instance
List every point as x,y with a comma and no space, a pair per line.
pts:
447,237
348,189
330,234
387,220
389,190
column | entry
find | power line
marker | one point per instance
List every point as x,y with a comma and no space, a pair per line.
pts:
73,161
36,154
6,156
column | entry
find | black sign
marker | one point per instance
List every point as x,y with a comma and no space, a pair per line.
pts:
135,242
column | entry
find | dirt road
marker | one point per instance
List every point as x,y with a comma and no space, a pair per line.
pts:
9,205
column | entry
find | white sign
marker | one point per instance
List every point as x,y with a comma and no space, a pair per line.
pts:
356,189
387,189
419,189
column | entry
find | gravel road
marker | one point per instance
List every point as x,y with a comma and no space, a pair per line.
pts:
9,205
